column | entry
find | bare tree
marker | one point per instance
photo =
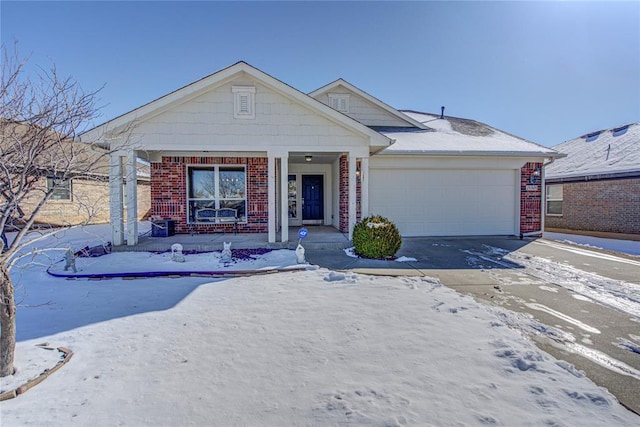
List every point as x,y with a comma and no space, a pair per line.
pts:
40,118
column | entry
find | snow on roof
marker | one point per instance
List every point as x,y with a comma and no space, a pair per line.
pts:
452,135
606,153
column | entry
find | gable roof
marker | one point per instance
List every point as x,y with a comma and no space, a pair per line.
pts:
609,153
218,78
389,109
456,136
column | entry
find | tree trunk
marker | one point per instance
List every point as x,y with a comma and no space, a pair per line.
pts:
8,322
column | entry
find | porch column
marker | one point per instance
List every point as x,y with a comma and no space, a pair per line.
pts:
284,199
271,196
132,198
115,199
364,187
352,193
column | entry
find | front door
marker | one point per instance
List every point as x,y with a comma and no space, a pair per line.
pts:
312,199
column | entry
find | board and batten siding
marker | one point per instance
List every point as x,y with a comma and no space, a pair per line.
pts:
207,123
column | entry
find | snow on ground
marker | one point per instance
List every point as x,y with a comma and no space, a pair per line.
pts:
630,247
311,347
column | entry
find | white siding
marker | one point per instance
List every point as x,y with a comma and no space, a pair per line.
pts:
365,111
207,123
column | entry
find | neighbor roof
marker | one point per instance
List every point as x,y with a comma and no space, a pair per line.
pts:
609,153
456,136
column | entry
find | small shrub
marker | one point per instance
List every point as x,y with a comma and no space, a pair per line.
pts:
376,237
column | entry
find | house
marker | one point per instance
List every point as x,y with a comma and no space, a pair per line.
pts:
241,149
596,188
41,161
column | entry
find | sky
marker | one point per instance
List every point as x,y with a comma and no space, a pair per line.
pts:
544,71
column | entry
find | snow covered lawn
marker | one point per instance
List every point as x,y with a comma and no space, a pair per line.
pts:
311,347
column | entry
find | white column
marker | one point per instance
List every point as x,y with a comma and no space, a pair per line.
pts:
132,198
364,187
271,197
352,193
115,199
284,199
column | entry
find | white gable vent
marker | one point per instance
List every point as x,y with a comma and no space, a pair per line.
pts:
244,103
339,101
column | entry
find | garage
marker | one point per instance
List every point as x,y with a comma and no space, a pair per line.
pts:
446,202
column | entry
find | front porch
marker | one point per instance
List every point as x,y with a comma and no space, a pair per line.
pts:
318,237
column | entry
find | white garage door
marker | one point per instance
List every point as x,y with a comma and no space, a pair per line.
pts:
431,202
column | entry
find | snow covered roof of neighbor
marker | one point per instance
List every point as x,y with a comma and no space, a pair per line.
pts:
452,135
603,154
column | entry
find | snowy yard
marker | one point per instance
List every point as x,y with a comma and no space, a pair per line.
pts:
310,347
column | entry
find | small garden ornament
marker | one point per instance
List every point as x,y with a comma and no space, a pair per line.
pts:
70,261
226,253
176,253
300,254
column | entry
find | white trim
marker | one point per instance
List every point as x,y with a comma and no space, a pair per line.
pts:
284,200
271,197
132,198
389,109
115,199
217,79
244,102
339,102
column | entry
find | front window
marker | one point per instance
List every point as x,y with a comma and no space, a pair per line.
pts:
60,189
554,199
217,194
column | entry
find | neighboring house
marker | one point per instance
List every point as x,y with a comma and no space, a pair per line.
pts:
83,200
242,149
596,188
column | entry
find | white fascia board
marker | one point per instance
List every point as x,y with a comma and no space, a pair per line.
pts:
372,99
160,105
376,138
472,154
221,77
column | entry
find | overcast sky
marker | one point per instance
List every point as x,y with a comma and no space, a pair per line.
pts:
545,71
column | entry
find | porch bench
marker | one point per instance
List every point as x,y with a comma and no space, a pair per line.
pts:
218,216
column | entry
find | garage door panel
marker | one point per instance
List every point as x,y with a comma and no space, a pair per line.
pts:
429,202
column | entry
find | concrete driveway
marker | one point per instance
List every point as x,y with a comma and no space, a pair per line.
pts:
583,302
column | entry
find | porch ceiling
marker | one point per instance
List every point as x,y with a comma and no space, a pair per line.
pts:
315,157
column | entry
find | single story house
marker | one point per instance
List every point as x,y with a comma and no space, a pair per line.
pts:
596,188
242,149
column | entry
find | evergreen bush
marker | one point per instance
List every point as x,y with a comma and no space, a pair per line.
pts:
376,237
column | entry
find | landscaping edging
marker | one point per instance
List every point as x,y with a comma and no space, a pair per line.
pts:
10,394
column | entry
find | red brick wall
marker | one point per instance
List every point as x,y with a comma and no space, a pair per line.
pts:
169,193
611,206
530,199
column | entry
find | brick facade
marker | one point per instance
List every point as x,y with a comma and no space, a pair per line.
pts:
343,197
611,206
530,198
169,193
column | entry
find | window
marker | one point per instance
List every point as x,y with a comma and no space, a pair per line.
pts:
554,199
215,188
339,101
620,131
243,102
61,189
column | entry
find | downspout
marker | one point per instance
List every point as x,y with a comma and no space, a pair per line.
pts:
543,201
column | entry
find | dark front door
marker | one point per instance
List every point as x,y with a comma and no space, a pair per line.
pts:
312,199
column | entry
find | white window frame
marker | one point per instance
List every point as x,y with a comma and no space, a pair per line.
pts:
552,198
217,199
339,101
62,189
244,102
